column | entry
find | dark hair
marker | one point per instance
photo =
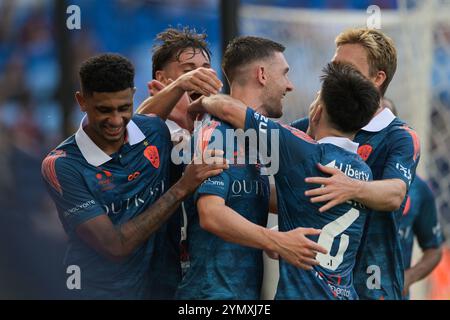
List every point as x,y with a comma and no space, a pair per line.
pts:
350,99
246,49
106,73
173,42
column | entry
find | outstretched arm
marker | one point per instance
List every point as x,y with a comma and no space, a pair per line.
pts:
118,242
381,195
223,107
202,80
293,246
429,260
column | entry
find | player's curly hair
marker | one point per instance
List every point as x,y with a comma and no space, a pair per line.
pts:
350,99
106,72
172,42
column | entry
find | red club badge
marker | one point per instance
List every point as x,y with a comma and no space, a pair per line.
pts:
152,154
364,151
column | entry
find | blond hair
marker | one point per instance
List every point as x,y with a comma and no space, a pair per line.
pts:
381,52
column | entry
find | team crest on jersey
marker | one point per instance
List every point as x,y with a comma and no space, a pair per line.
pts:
105,180
364,151
152,154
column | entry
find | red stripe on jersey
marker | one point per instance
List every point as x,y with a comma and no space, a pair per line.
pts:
416,141
206,134
48,169
299,134
407,206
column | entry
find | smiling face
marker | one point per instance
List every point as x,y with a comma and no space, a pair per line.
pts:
108,114
277,85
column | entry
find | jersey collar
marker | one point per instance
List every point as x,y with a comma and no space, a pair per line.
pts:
92,153
380,121
344,143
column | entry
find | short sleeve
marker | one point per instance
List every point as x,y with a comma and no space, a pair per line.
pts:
404,154
66,186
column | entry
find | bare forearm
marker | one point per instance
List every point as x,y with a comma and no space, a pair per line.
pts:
430,259
162,103
135,232
232,227
381,195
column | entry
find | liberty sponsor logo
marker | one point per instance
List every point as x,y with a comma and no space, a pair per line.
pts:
137,200
374,279
84,206
404,232
349,171
405,171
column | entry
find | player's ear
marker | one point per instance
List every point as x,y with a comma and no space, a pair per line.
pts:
380,78
261,75
160,75
81,101
317,113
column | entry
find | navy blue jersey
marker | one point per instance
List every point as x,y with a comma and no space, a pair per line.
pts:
419,219
84,183
301,124
220,269
342,226
392,151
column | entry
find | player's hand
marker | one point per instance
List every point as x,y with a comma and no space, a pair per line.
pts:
203,81
154,87
297,249
211,163
335,190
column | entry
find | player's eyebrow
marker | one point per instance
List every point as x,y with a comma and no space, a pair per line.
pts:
188,64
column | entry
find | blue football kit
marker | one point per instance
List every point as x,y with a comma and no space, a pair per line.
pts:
342,226
219,269
392,150
85,183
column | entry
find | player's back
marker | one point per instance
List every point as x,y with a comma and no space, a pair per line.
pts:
342,227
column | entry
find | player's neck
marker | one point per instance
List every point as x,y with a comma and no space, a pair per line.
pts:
108,147
247,95
324,132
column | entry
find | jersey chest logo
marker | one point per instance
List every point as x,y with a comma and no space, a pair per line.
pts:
364,151
152,154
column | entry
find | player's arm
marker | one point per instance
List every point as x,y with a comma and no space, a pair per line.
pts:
386,194
429,260
118,242
429,235
293,246
202,80
223,107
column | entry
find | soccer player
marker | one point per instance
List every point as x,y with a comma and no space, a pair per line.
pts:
110,183
392,150
181,66
228,215
419,219
347,101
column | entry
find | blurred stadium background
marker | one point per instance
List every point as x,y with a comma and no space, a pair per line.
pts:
39,58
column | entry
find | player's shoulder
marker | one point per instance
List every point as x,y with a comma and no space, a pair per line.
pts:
301,124
148,123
